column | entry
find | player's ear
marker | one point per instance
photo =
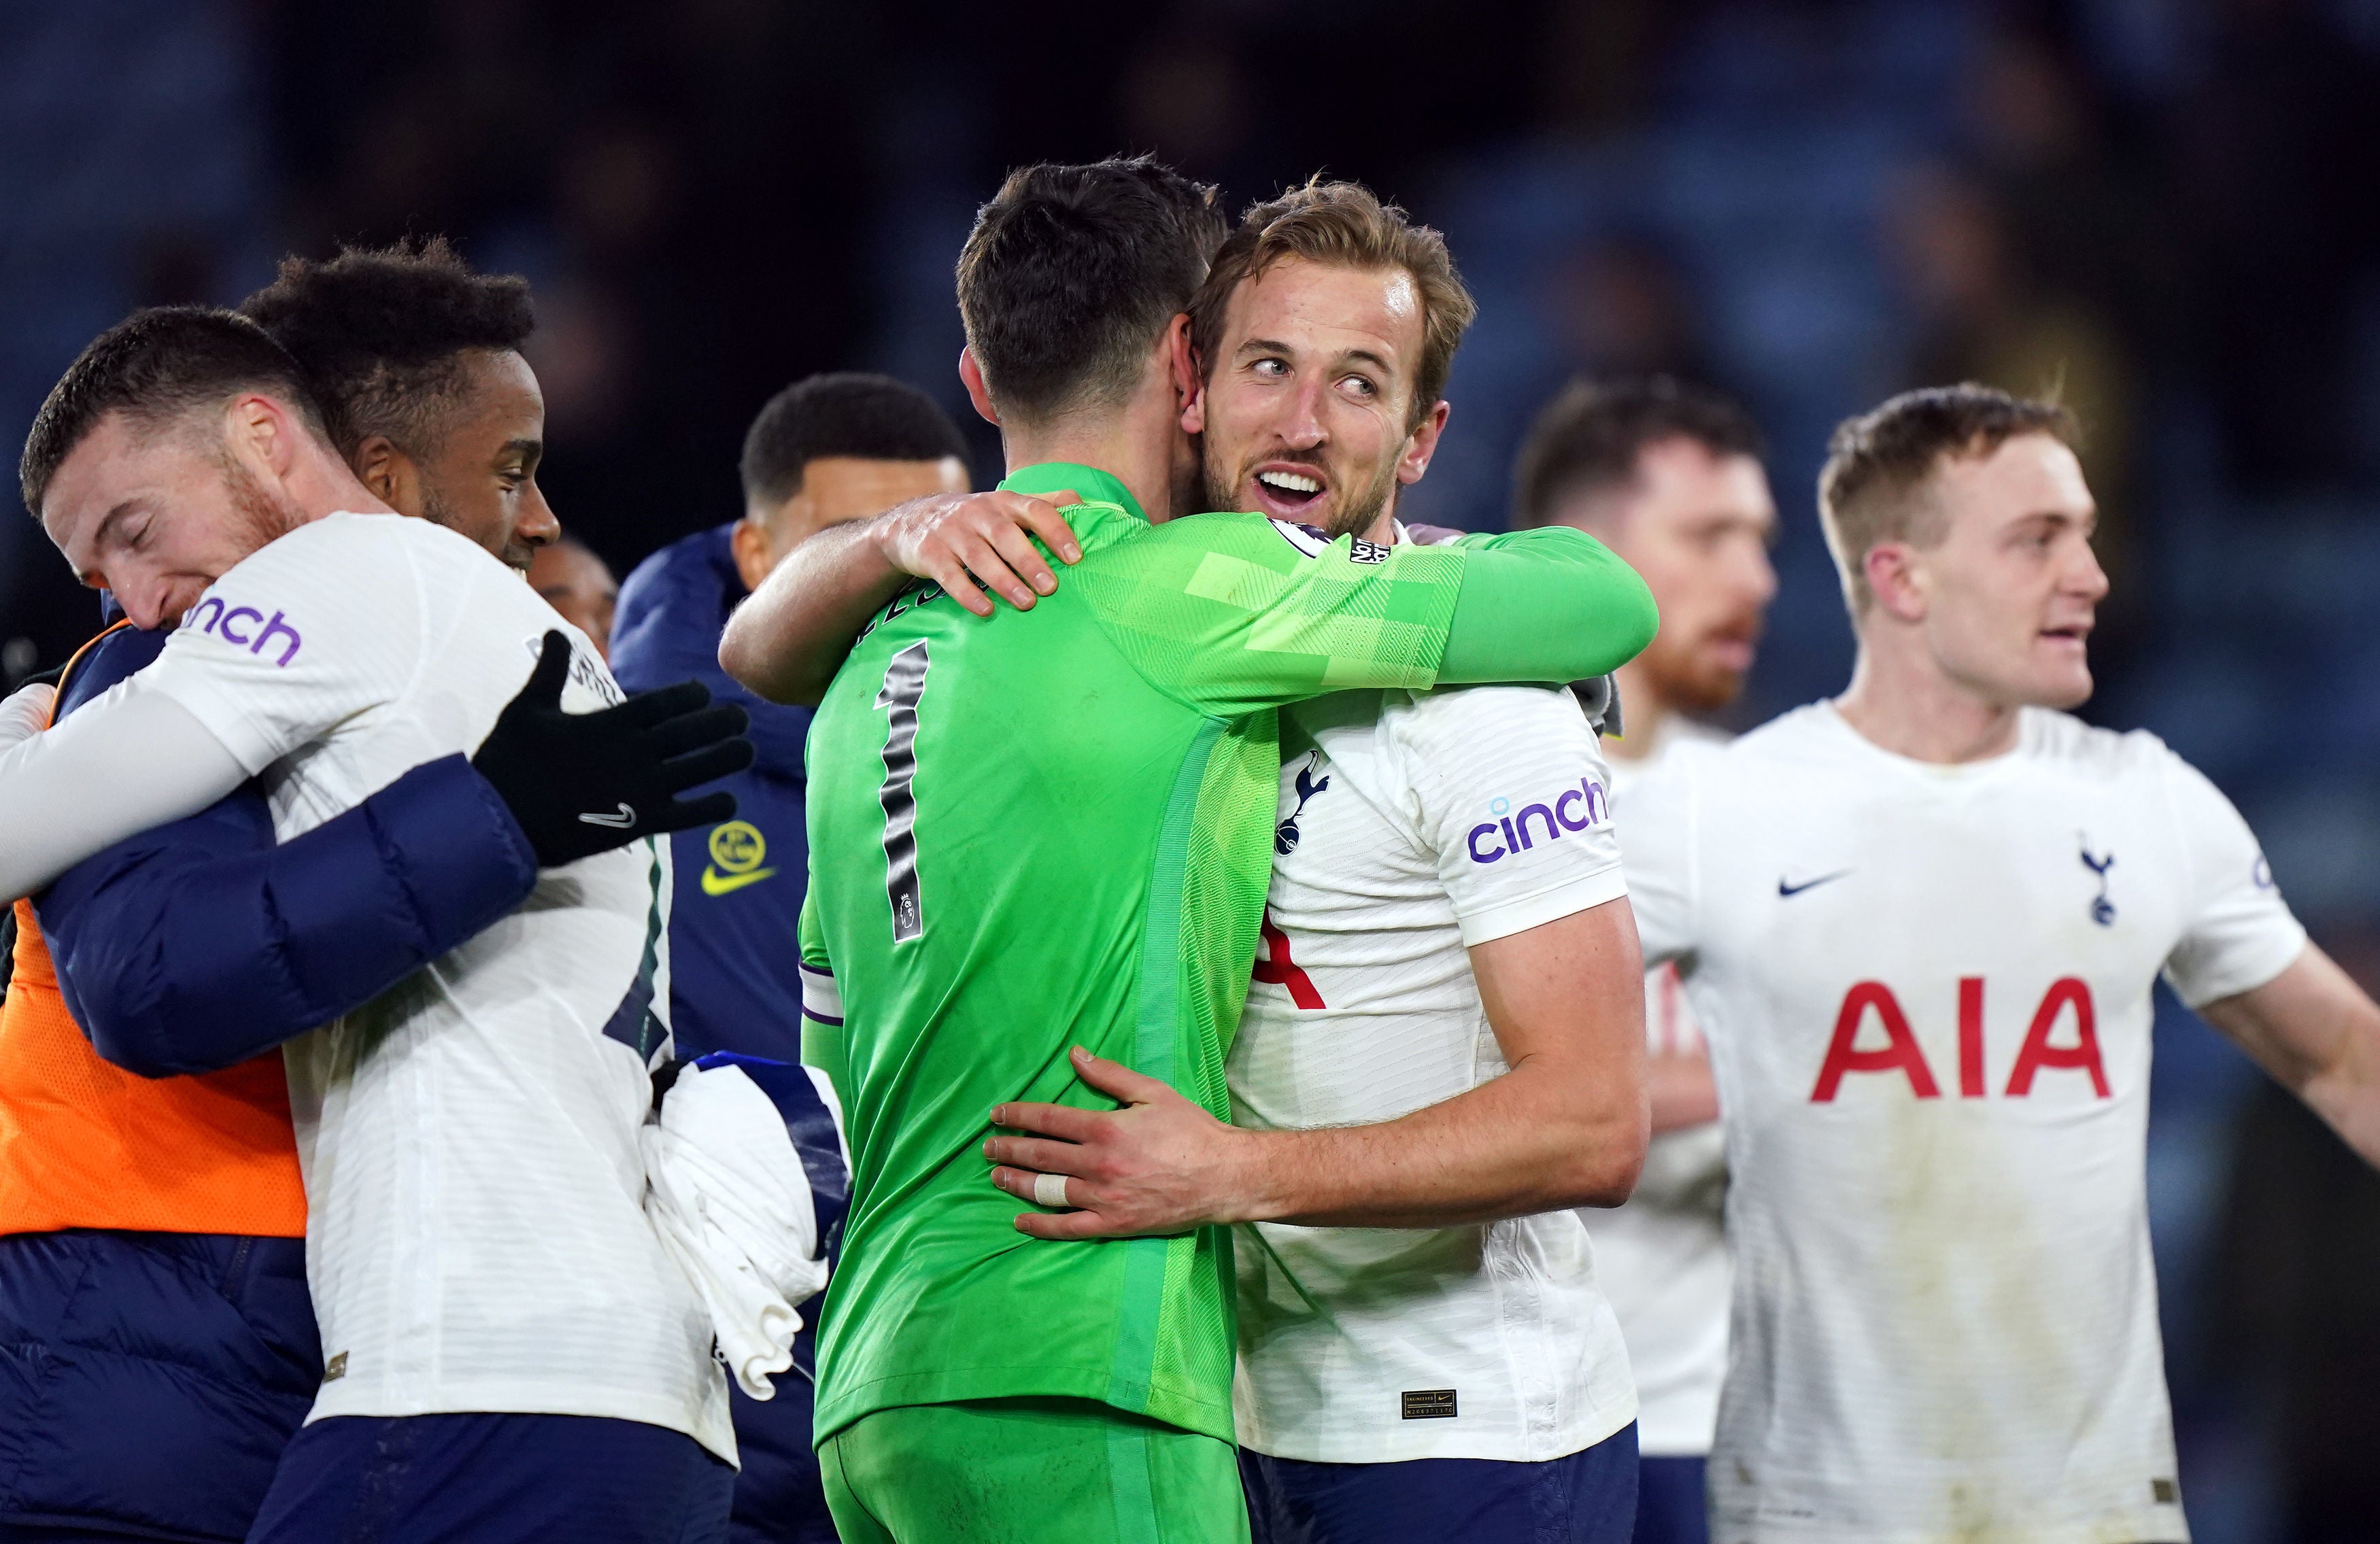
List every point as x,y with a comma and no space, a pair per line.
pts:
978,393
1182,358
389,474
1189,380
755,554
265,430
1422,444
1894,578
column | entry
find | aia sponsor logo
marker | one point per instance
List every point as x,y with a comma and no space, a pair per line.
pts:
246,627
2068,1001
1574,809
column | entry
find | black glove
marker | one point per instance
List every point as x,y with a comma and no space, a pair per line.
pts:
581,783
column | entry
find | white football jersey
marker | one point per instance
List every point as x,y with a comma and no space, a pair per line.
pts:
1926,990
1412,826
1662,1258
476,1236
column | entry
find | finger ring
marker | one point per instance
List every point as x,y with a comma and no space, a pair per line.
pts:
1050,1190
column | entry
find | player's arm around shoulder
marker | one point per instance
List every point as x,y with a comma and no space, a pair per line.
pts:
787,640
1238,612
1550,604
293,639
315,627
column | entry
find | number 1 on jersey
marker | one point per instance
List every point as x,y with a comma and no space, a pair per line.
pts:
905,683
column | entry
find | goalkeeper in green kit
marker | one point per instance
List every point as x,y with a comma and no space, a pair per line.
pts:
1054,831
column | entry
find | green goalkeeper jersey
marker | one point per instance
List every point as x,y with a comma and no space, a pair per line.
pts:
1054,828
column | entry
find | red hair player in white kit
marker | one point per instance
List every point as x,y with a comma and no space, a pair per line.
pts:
1919,924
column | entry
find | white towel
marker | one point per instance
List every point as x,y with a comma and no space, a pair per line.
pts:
731,1201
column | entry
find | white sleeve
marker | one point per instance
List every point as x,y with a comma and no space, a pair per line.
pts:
2238,933
128,761
299,637
1657,831
1514,800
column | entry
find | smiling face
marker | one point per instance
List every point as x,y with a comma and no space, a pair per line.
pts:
480,479
156,513
1308,407
2007,596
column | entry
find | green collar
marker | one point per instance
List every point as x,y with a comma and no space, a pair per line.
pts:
1092,484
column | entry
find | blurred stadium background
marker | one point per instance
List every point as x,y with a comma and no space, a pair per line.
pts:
2170,208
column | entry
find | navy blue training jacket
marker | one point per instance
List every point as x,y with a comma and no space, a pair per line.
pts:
735,959
735,955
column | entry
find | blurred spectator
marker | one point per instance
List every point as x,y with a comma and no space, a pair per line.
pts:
1980,314
2078,213
2279,153
579,584
685,184
1597,64
1187,97
1621,308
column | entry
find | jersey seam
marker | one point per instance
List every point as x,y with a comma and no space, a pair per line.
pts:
1596,881
1157,1015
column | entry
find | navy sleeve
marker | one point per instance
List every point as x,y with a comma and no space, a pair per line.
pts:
201,943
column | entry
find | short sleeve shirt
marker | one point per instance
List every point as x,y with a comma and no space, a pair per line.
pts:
1412,827
1926,993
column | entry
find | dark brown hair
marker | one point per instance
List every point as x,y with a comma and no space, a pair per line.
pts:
1586,441
1072,273
154,365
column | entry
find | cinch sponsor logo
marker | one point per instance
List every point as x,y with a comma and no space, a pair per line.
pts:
1571,810
247,628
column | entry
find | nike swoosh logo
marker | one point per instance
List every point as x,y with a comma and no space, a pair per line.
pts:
716,883
1785,890
626,820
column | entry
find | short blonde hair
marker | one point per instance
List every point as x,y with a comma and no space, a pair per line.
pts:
1345,225
1871,489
